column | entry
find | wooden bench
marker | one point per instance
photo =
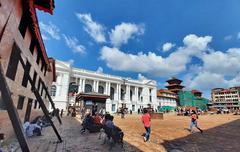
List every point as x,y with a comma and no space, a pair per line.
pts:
116,135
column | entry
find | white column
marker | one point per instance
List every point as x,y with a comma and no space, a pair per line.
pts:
117,92
97,84
135,93
109,86
80,85
94,85
105,89
83,85
127,93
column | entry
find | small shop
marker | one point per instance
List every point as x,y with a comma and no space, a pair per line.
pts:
91,102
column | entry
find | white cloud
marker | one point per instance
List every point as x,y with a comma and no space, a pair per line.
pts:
215,69
227,38
71,61
73,43
50,29
44,37
152,63
100,70
207,80
195,42
235,81
123,32
226,63
167,46
141,77
238,35
94,29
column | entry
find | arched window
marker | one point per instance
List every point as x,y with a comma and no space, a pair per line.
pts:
100,89
53,90
122,94
88,88
150,95
139,95
73,88
131,95
112,93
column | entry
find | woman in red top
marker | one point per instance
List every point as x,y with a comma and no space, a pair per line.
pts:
146,119
97,119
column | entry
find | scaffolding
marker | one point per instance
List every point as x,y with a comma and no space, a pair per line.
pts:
187,98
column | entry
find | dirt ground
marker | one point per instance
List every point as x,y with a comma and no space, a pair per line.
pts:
221,133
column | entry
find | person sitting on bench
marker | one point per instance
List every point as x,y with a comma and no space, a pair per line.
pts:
97,119
91,124
113,131
87,122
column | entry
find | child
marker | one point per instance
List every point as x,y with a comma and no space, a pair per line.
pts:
146,119
193,123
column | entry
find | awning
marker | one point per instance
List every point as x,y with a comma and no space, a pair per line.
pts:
93,96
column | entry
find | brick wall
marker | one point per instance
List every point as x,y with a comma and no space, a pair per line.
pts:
11,14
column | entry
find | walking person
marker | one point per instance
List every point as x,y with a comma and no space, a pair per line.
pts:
82,112
61,114
122,113
146,120
193,123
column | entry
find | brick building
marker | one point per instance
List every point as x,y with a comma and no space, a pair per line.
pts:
22,53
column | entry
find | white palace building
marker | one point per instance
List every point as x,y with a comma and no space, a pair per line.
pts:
133,94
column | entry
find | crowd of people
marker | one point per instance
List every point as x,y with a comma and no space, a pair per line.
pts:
96,119
95,122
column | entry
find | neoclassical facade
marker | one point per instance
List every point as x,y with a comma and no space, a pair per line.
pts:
127,92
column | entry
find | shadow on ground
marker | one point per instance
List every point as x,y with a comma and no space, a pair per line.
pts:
218,139
73,141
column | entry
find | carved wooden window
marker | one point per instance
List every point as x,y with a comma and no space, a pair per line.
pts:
23,25
13,62
20,102
112,93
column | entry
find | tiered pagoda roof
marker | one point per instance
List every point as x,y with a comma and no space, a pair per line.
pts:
163,92
174,85
174,80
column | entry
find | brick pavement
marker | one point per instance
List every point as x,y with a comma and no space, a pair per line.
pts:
72,140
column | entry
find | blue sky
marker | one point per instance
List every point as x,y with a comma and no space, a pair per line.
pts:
196,41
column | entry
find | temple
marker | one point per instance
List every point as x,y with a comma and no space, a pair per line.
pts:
174,85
